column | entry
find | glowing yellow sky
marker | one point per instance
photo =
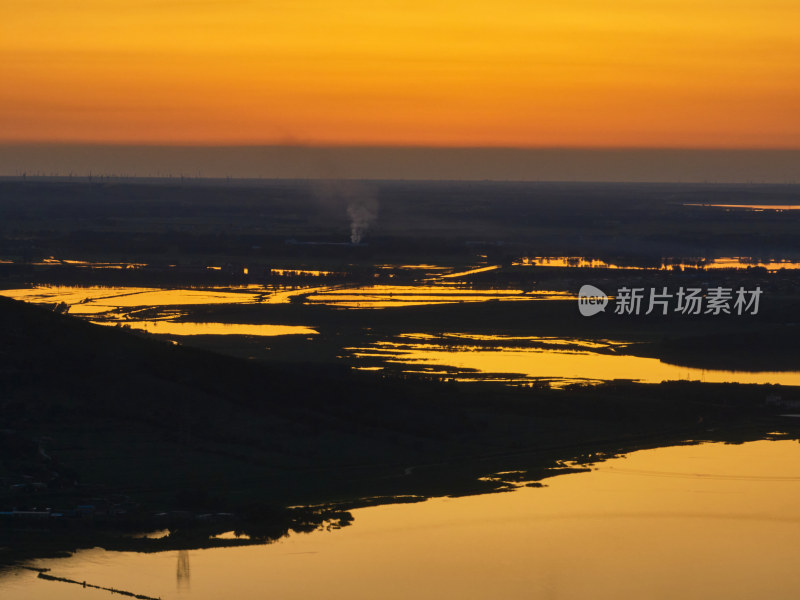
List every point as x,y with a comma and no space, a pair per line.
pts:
709,73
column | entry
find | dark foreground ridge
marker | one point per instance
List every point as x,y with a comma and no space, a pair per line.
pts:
105,433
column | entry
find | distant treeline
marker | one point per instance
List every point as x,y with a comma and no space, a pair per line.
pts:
449,219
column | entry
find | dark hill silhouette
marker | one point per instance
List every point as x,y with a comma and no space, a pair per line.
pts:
169,424
92,414
60,369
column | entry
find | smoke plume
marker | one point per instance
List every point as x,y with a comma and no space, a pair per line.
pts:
362,210
359,199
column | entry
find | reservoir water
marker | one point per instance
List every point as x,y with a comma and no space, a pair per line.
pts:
698,521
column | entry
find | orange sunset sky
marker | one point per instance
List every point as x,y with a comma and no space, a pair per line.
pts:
512,73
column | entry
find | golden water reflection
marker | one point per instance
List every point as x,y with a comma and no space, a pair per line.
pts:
95,300
304,272
735,262
726,262
548,341
756,207
689,522
50,261
425,267
470,272
181,328
381,296
559,366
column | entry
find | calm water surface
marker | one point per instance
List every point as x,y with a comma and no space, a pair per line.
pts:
559,367
167,327
85,301
726,262
703,521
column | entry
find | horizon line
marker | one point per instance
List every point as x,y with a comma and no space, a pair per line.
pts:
183,179
416,163
389,146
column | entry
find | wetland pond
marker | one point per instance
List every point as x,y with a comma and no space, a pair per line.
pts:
462,356
558,361
725,262
709,520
